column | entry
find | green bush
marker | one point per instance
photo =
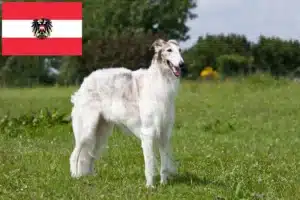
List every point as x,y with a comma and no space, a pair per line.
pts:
13,126
233,64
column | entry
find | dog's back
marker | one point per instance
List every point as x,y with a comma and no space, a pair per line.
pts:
113,92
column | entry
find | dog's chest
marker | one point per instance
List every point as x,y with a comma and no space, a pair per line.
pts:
157,101
161,108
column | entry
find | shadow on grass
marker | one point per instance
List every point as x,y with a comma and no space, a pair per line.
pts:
192,179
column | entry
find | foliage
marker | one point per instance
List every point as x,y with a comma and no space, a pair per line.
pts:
115,17
280,57
12,126
128,49
232,65
18,71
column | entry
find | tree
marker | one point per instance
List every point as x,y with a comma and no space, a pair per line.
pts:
114,17
277,56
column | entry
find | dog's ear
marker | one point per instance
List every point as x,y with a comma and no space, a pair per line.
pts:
174,42
157,45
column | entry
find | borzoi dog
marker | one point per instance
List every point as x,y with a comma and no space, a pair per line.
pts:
140,101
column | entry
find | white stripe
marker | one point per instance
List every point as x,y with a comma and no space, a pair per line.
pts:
23,29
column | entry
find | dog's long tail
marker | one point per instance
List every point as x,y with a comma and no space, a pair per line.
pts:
69,117
73,97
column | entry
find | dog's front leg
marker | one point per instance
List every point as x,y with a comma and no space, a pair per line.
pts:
167,164
164,150
147,138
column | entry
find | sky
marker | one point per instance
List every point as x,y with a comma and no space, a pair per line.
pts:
250,17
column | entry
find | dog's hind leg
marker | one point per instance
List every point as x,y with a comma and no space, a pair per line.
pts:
85,126
103,132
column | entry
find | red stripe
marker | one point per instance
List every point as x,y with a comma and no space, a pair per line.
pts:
50,10
37,47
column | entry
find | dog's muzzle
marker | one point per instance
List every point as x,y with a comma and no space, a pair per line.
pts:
177,70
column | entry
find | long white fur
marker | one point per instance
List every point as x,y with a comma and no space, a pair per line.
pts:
141,101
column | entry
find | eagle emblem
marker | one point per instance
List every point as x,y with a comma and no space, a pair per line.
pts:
41,28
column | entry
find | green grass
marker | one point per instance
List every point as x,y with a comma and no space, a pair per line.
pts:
233,140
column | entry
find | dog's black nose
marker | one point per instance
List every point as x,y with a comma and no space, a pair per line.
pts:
181,65
183,68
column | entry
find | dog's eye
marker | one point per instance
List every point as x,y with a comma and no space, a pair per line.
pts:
169,50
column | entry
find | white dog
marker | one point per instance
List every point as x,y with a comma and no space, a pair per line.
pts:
140,101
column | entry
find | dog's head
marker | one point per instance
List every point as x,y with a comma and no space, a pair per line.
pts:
169,53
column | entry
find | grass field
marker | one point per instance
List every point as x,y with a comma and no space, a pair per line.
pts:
233,140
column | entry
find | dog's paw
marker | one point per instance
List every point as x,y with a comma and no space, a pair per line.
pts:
75,175
150,186
163,181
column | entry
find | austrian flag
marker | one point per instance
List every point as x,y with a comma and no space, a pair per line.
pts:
41,28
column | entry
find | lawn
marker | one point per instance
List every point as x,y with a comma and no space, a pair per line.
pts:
233,140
